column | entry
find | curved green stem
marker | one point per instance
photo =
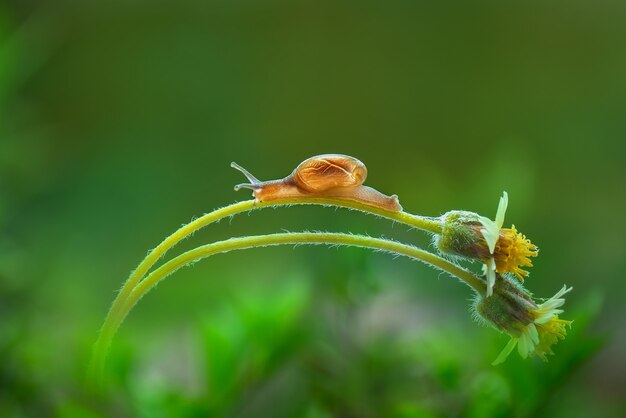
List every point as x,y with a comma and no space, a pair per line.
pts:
428,224
113,322
424,223
329,238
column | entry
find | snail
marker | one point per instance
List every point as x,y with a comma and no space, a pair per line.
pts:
325,176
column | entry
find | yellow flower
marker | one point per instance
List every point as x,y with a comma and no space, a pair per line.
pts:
512,252
537,337
509,250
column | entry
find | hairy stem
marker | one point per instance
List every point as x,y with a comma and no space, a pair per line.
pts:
114,320
424,223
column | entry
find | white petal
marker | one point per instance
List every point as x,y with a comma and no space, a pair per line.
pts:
551,304
523,345
505,352
550,307
491,232
533,334
504,203
491,275
545,318
561,292
487,223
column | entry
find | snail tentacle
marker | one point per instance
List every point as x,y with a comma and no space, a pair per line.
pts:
254,182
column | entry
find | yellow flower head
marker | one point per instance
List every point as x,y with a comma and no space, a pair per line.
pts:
549,334
509,250
512,252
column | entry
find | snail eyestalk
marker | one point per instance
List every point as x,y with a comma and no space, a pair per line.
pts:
254,182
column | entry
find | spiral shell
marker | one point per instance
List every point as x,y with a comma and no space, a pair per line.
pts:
330,171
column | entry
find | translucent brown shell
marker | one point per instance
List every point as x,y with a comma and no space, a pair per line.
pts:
325,172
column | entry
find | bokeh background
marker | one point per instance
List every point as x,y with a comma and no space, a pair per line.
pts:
118,121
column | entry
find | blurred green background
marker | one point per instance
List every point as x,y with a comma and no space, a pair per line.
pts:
118,121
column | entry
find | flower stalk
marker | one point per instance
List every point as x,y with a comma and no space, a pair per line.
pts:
424,223
431,225
124,306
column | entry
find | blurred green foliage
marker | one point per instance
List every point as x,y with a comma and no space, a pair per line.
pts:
117,124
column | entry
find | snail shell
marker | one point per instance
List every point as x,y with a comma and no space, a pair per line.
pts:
323,176
325,172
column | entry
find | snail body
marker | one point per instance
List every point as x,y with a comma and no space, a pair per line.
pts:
329,176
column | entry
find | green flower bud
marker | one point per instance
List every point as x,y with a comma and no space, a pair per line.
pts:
533,327
461,236
510,307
